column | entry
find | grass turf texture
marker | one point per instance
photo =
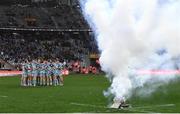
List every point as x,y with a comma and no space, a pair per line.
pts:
81,94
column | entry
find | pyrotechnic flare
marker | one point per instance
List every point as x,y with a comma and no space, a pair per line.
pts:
130,34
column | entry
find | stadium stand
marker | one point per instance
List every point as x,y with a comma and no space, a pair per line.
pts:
39,16
32,29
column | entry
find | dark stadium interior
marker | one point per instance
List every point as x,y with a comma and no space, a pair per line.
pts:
42,15
31,29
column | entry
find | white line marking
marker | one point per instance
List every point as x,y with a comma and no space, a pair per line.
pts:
162,105
4,96
134,110
148,107
90,105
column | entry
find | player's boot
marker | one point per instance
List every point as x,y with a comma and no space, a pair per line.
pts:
61,84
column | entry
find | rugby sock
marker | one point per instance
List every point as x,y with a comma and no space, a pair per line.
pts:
34,82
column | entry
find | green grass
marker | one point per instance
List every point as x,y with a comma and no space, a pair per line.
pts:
80,94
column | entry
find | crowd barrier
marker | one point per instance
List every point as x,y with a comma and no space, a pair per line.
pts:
4,73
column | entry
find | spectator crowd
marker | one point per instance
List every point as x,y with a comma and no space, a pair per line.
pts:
72,47
68,47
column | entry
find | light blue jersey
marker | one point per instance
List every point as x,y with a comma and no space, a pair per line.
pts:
58,67
24,70
50,69
55,70
42,69
34,69
29,69
46,69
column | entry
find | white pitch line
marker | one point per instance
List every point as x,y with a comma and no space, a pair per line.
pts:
4,96
141,111
90,105
148,107
136,109
162,105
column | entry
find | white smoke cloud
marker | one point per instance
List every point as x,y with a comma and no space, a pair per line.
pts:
129,35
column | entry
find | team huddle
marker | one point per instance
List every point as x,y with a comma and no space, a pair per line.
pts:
42,73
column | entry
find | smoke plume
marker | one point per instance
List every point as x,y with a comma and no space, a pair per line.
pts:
135,35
